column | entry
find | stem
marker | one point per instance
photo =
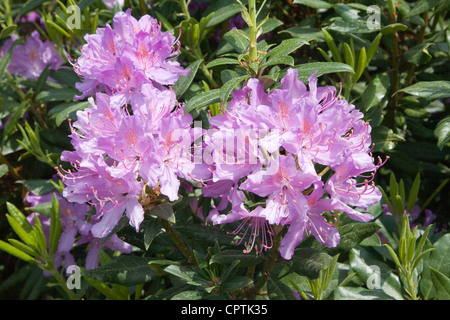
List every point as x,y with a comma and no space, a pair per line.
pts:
252,36
12,171
178,242
267,268
185,10
61,282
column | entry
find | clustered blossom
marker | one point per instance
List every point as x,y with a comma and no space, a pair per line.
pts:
122,58
76,231
288,140
29,60
133,142
292,157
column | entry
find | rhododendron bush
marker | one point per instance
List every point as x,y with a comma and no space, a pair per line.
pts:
224,150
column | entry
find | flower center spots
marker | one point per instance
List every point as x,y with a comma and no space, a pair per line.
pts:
307,125
283,110
34,55
131,137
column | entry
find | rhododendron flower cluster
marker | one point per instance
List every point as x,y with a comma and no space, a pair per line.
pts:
122,58
134,140
305,153
76,231
29,60
292,157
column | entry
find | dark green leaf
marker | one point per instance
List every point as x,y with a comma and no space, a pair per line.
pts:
418,54
286,47
222,11
63,111
429,89
422,6
202,99
221,61
57,94
163,211
359,293
309,261
277,290
30,5
442,132
236,283
307,69
227,257
305,33
352,234
126,270
441,283
392,28
237,39
184,82
228,87
316,4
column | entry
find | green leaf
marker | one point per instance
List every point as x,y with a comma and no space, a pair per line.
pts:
236,283
352,234
441,283
360,65
413,193
228,257
163,211
3,170
309,261
237,39
126,270
229,86
185,273
418,54
373,47
30,5
348,55
305,33
209,234
44,209
438,259
151,227
375,92
307,69
393,28
359,293
55,226
375,274
107,291
40,83
222,11
6,32
277,290
421,7
184,82
63,111
57,94
442,132
189,295
286,47
286,60
437,89
316,4
221,61
10,249
202,99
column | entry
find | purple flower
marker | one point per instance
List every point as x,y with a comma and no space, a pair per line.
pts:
122,58
30,59
76,223
293,135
